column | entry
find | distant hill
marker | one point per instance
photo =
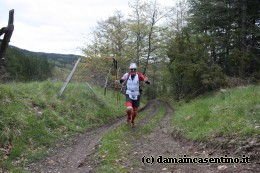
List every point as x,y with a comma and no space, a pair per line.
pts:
24,65
57,59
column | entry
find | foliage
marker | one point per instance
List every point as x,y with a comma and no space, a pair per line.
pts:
135,38
203,43
233,27
20,67
211,47
192,73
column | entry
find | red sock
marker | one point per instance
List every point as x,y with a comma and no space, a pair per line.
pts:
129,110
128,115
134,115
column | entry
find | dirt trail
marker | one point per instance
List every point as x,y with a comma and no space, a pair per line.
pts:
79,156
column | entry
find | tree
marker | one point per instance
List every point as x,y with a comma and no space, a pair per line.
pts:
191,71
231,25
20,67
109,37
109,41
137,26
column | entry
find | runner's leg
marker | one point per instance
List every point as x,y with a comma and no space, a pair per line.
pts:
135,104
134,115
129,110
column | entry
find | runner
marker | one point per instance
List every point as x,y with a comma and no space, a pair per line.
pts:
132,79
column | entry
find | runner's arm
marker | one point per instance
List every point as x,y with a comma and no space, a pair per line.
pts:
123,78
143,78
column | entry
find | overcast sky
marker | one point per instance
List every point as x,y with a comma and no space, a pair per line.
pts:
58,26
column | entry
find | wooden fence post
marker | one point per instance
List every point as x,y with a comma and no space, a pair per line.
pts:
105,87
7,31
69,78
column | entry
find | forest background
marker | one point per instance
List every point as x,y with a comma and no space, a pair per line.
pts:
193,47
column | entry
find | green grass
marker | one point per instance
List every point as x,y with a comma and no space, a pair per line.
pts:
232,113
114,148
117,144
152,124
33,119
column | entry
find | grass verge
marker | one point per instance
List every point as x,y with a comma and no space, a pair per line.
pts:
33,119
233,113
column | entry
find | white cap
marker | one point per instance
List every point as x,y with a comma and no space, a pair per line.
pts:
133,66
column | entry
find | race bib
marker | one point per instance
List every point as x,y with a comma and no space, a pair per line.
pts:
133,97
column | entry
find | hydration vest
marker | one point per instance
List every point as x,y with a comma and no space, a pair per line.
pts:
133,85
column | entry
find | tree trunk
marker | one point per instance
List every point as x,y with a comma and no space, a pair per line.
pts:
244,26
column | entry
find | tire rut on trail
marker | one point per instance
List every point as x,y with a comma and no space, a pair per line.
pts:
77,157
150,105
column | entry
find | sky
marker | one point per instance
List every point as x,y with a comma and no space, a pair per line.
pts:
58,26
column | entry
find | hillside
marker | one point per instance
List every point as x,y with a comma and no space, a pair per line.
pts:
22,65
39,131
64,59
